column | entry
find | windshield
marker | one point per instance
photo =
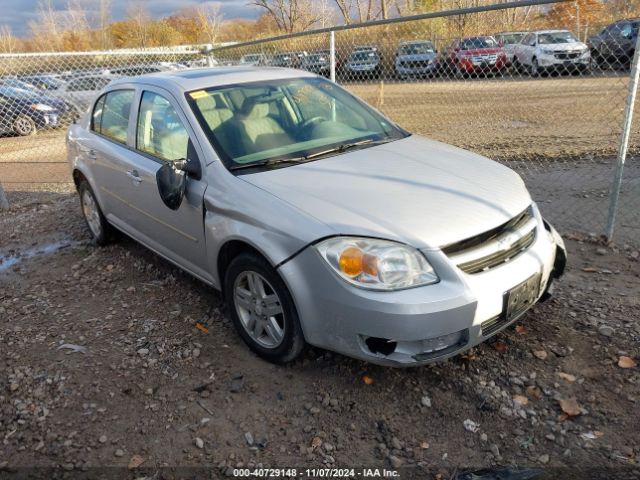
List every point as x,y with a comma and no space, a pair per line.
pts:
417,48
510,38
287,119
556,37
364,56
478,42
250,58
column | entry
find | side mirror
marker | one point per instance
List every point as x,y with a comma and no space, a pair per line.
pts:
172,184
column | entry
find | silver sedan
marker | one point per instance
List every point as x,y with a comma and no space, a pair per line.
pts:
321,221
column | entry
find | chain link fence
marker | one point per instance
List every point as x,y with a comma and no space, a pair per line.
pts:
506,81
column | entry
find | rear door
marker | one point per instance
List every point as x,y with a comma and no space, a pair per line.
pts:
163,134
105,151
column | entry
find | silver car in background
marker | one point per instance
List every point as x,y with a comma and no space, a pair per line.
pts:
415,59
321,221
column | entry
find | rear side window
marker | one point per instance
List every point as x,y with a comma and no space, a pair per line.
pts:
111,115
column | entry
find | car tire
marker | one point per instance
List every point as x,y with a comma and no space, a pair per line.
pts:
252,287
101,231
534,69
24,126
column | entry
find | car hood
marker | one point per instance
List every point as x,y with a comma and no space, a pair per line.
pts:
414,190
481,51
564,47
417,58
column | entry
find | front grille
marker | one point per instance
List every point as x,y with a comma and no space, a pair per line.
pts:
415,63
491,326
492,58
495,247
567,56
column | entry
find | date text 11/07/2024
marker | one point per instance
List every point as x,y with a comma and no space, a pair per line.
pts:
314,473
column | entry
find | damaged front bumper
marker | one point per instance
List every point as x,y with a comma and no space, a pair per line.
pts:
419,325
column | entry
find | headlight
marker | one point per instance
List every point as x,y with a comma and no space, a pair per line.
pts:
377,264
42,107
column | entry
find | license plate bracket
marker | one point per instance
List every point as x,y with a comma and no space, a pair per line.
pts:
521,297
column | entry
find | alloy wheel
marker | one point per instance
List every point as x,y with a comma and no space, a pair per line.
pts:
91,213
259,309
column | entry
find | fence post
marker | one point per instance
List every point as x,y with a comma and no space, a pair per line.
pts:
624,142
332,55
4,203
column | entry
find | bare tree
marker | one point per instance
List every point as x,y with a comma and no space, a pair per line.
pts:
362,10
209,21
8,43
47,29
104,18
290,15
140,20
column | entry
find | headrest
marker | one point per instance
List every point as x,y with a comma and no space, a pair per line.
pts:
253,107
219,102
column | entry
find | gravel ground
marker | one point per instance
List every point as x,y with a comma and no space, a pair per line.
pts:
112,357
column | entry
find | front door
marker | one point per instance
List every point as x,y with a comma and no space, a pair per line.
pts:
162,134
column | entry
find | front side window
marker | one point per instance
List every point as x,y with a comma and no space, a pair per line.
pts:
289,120
110,115
160,131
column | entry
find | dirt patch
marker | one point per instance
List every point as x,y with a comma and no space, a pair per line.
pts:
103,360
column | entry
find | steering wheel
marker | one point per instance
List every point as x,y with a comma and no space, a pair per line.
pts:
304,126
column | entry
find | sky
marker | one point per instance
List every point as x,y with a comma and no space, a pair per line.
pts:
18,13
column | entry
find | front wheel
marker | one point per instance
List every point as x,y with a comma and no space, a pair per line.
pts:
262,309
24,125
535,68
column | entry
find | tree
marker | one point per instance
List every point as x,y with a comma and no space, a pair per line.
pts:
583,14
140,21
291,15
47,29
104,18
209,22
8,43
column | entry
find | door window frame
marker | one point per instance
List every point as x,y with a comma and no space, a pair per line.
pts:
194,144
93,107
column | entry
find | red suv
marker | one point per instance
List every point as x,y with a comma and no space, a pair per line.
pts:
474,55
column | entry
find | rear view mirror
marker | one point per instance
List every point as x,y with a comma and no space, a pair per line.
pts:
172,185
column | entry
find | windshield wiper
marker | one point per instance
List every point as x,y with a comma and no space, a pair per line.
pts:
303,158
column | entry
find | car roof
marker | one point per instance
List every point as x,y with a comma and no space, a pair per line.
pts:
414,42
556,30
510,33
199,78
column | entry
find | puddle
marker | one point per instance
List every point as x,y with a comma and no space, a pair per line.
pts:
11,260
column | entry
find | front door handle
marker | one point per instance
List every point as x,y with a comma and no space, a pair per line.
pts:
134,175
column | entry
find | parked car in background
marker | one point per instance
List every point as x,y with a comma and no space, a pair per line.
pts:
80,91
508,42
15,83
318,63
363,63
473,56
43,82
23,112
288,59
615,45
416,58
547,51
254,59
321,220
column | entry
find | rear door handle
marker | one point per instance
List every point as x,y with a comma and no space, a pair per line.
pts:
134,175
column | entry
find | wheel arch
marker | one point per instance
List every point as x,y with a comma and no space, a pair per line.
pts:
230,250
